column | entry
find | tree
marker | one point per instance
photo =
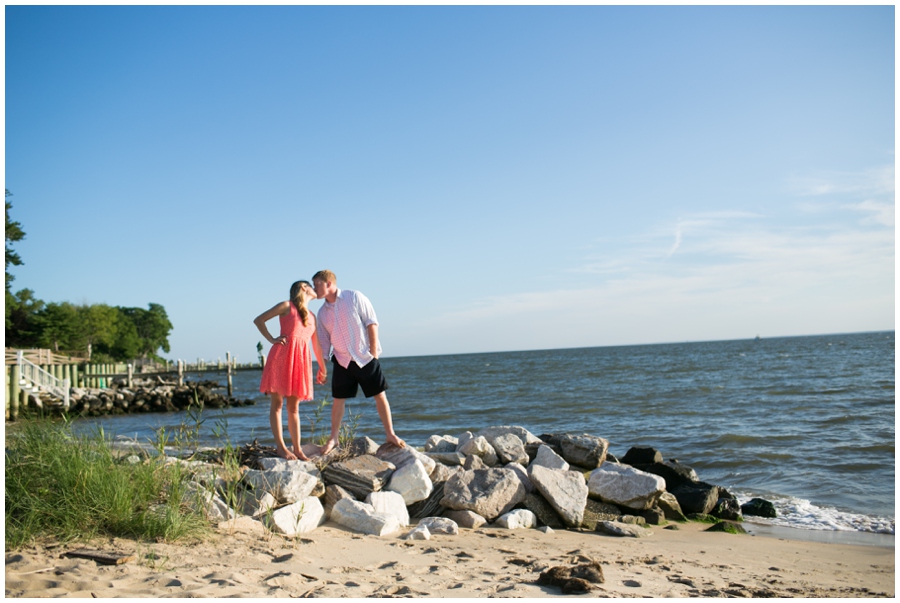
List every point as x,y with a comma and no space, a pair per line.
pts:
22,326
58,326
97,328
14,233
153,328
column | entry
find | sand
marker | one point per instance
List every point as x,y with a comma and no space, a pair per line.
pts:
489,562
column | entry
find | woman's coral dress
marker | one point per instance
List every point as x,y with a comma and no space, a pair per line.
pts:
288,369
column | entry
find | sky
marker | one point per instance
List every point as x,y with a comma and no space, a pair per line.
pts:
491,178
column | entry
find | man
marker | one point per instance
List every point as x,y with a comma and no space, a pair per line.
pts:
347,326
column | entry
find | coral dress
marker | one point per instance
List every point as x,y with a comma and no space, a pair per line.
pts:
288,369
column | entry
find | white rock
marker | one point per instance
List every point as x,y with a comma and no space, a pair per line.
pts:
420,532
257,502
479,446
389,503
626,486
547,458
297,518
280,464
522,474
440,525
411,481
566,491
287,486
520,518
361,517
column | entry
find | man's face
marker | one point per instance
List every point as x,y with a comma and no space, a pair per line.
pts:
321,288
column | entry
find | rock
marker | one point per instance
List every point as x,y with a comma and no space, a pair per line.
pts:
729,527
520,518
199,498
442,473
443,443
466,519
566,491
430,506
696,497
636,520
280,464
463,439
626,486
440,525
525,436
543,511
596,511
510,449
617,528
583,450
670,507
654,516
400,457
286,486
473,462
545,457
488,492
759,507
333,494
362,446
299,517
360,475
479,446
727,508
411,481
638,456
361,517
389,503
447,458
418,533
673,472
522,474
545,529
257,502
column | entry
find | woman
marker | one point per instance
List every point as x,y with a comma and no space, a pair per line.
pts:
288,370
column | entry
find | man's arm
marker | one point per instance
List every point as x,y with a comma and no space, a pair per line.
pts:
372,331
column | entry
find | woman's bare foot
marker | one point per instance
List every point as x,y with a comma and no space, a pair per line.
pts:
299,454
396,441
285,454
328,447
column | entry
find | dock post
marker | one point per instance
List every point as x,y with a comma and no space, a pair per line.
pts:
14,392
180,372
230,369
130,376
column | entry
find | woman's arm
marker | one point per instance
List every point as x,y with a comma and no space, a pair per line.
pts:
322,373
260,321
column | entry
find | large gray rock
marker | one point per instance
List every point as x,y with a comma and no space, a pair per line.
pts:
510,449
400,457
626,486
442,472
596,511
639,456
411,481
333,494
361,517
444,443
523,475
673,472
389,503
626,530
286,486
280,464
299,517
466,519
257,502
431,506
545,457
440,525
360,475
670,507
488,492
362,445
479,446
698,497
201,499
583,450
544,511
519,518
566,491
525,436
447,458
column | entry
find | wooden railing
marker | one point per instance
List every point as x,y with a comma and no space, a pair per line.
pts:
44,356
31,375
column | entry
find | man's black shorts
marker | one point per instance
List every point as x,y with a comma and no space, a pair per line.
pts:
344,381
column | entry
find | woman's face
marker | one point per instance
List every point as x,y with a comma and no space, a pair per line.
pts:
309,291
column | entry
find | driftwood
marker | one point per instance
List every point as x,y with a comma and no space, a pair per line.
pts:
102,557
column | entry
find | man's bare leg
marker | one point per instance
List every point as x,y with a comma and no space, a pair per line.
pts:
293,410
384,411
337,415
275,424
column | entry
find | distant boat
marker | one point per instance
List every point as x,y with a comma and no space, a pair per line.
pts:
757,338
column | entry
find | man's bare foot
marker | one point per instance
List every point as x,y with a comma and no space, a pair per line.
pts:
396,441
299,454
328,447
285,454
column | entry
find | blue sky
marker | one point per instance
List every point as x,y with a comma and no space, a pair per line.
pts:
492,178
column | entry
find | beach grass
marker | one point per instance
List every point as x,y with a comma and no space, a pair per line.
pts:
71,487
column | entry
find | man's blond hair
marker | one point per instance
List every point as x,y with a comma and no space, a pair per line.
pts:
325,275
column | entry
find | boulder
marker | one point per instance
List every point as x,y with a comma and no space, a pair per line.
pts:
545,457
583,450
640,456
389,503
673,472
287,486
333,494
759,507
400,457
447,458
566,491
440,525
297,518
617,528
479,446
442,472
520,518
362,445
430,506
522,473
543,511
280,464
466,519
360,475
474,462
445,443
727,508
670,507
510,449
730,527
488,492
596,511
626,486
411,481
492,433
654,516
200,498
361,517
418,533
257,502
696,497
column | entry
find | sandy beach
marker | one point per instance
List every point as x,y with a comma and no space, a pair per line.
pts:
489,562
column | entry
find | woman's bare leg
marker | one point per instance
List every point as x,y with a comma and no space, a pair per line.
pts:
293,410
275,423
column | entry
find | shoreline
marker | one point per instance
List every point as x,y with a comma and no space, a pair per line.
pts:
489,562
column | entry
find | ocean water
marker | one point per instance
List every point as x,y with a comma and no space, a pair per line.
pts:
806,422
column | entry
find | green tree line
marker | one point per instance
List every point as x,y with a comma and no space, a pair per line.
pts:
109,332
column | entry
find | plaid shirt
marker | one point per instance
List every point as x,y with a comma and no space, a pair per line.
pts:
342,328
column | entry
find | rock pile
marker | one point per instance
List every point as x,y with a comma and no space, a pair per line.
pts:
504,476
148,397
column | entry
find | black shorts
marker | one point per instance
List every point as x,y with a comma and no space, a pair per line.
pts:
344,381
